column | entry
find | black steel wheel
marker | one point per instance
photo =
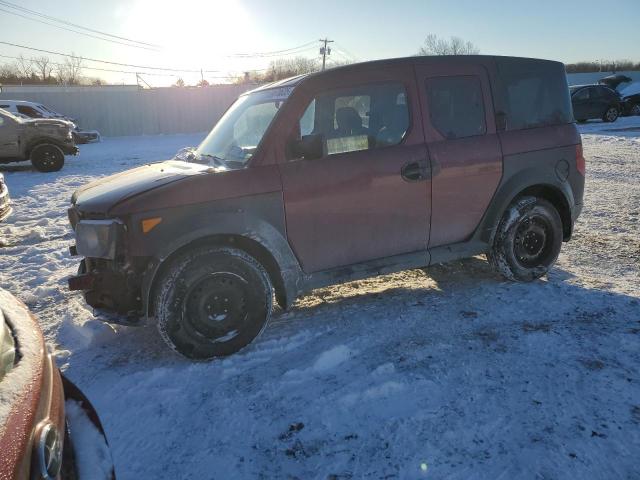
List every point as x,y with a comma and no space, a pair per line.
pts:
611,115
528,240
212,301
47,157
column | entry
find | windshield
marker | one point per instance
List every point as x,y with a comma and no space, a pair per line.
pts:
235,138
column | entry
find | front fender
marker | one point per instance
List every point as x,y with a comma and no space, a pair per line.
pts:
258,218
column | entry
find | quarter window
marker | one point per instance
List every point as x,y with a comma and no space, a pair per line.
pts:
360,118
456,107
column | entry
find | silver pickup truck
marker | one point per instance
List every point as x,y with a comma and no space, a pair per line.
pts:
43,141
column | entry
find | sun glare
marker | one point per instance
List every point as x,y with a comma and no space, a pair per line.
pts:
194,33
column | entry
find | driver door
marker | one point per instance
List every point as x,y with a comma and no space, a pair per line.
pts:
368,195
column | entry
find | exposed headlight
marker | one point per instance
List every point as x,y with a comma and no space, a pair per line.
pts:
97,238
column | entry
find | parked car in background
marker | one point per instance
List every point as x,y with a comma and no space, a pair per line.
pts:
26,109
614,81
42,414
373,168
631,99
44,141
5,202
595,101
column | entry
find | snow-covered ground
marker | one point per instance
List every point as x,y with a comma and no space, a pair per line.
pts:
445,373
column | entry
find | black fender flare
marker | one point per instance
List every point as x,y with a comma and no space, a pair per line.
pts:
514,186
42,141
221,231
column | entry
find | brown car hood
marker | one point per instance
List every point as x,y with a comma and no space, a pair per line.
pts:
100,196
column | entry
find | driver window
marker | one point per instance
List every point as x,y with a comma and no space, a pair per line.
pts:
356,119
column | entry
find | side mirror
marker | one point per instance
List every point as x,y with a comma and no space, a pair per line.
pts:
186,154
309,147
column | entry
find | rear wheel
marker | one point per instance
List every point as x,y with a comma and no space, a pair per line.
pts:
635,110
212,301
47,157
611,115
528,240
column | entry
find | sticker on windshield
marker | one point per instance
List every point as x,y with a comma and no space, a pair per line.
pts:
281,93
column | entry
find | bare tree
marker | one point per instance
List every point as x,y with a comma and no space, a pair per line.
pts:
43,67
24,67
433,45
69,72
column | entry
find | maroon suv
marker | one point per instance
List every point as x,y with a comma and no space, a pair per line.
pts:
343,174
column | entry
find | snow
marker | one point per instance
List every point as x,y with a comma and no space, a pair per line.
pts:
92,456
20,378
449,372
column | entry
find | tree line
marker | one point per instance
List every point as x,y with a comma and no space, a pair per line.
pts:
43,71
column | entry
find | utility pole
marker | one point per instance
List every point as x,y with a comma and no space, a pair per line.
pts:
324,50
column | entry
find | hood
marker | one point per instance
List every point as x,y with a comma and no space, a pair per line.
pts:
47,122
100,196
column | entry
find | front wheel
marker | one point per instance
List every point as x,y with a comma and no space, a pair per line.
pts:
47,158
611,115
212,301
528,240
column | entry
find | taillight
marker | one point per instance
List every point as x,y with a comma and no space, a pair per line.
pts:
580,163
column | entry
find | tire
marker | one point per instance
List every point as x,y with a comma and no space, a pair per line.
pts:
212,301
635,110
47,157
611,114
528,240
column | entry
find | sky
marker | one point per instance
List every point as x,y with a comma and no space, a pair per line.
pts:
207,34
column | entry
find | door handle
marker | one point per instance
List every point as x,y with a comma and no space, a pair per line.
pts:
414,171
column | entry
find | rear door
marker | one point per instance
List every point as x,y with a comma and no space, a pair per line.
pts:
580,101
368,197
465,153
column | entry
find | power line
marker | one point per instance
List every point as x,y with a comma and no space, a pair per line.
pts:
145,67
133,72
286,51
76,31
65,22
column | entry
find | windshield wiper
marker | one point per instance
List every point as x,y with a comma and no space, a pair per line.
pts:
217,161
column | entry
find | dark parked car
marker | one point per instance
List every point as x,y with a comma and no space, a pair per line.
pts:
631,101
355,171
41,412
595,101
5,202
613,81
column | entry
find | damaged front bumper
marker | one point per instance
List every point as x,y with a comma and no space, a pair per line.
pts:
110,287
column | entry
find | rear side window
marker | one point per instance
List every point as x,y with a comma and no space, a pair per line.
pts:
582,94
456,107
29,111
359,118
535,93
